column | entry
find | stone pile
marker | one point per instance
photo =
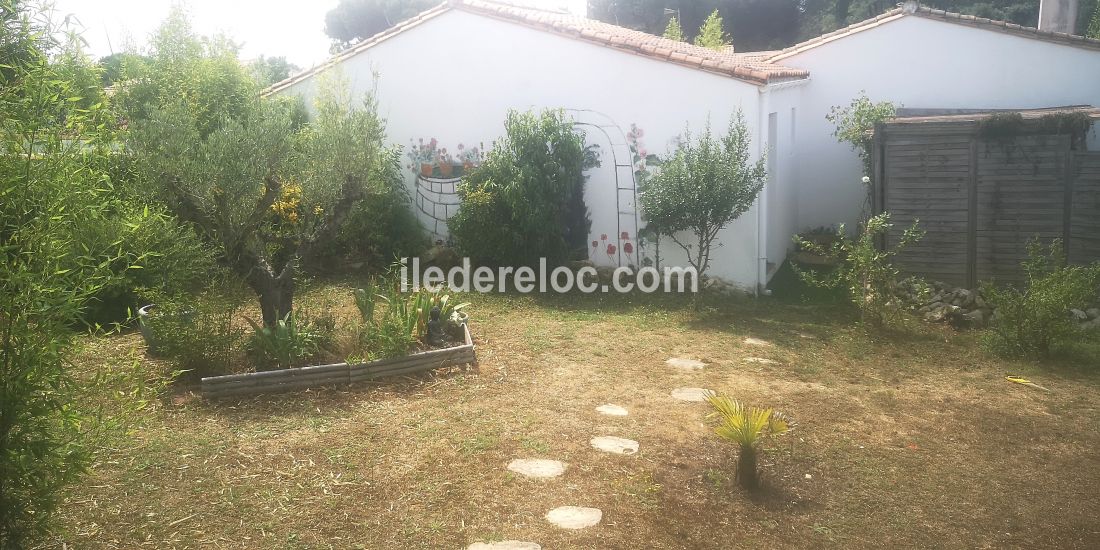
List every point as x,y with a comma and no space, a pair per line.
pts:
940,302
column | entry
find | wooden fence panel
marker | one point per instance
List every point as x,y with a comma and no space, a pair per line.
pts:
928,182
1084,241
1021,192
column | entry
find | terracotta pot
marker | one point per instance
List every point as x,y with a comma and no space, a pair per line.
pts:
426,169
446,169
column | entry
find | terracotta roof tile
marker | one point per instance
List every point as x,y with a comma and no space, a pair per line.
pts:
725,62
912,8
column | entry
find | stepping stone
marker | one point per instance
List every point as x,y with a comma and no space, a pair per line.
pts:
691,394
761,360
504,545
757,342
617,445
537,467
611,410
574,517
685,363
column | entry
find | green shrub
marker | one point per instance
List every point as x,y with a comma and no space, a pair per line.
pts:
378,229
51,188
402,321
1034,319
200,332
158,256
526,200
864,271
288,343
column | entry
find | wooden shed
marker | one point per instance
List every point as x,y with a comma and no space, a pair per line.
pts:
982,184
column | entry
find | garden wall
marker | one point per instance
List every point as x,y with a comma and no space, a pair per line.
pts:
981,192
340,374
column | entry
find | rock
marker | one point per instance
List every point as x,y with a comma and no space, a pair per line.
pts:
617,445
691,394
1090,325
611,410
1079,315
504,545
537,467
1093,313
574,517
685,363
979,302
761,360
975,318
757,342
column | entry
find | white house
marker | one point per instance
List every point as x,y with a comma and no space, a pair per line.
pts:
449,75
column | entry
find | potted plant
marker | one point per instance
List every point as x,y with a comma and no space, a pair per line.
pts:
815,246
422,157
445,162
469,158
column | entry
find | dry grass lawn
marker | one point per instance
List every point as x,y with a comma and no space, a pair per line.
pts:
907,440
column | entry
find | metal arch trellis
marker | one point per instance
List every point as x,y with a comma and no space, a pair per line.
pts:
607,126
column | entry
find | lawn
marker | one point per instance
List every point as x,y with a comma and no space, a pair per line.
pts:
910,439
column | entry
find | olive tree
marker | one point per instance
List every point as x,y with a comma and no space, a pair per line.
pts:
705,184
266,186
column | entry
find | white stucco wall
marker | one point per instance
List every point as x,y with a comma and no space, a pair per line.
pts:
920,63
454,78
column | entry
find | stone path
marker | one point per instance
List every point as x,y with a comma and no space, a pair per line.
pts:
581,517
504,545
574,517
617,445
537,467
685,363
691,394
611,410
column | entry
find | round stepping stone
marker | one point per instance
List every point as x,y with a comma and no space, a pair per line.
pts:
685,363
611,410
574,517
691,394
761,360
537,467
504,545
757,342
617,445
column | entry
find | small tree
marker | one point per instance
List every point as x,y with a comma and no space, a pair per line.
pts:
704,185
674,31
747,428
711,34
865,271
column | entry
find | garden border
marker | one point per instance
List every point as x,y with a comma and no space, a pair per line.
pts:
283,380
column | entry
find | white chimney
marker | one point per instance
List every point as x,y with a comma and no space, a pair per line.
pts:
1058,16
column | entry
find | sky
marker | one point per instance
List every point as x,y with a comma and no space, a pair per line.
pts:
291,28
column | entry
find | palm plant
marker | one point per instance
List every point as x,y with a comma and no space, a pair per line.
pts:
746,427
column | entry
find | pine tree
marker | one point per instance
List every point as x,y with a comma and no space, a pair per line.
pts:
711,34
674,31
1094,25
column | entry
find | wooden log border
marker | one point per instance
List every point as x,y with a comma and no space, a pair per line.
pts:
339,374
